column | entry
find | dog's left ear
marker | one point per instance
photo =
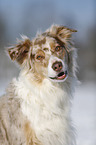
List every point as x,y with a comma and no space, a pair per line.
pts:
65,32
19,52
62,32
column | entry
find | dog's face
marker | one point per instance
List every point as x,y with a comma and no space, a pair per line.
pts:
47,55
50,58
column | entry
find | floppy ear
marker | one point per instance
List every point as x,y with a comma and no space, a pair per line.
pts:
19,52
62,32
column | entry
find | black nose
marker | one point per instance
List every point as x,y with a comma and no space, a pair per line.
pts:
57,66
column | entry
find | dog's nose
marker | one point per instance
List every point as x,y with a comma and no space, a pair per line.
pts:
57,66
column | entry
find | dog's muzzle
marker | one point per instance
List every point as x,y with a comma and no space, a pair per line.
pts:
58,68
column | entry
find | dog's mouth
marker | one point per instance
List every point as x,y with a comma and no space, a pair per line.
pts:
60,76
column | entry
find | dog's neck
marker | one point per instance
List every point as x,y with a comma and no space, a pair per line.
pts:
50,94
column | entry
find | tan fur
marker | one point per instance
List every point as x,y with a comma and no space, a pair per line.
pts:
33,57
30,135
11,121
14,127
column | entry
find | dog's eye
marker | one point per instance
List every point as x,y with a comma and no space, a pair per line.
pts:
58,48
39,57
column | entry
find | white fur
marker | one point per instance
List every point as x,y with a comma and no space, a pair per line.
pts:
47,106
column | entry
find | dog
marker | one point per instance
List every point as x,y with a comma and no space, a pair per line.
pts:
35,110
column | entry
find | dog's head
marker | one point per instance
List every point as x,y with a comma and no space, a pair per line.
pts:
46,56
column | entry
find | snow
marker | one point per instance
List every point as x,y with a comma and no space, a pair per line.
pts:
84,114
83,111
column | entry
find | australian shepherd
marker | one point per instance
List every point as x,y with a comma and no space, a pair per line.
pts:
35,109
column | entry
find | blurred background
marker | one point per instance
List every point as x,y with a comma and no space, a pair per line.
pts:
27,17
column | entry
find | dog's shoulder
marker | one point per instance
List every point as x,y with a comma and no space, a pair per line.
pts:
11,121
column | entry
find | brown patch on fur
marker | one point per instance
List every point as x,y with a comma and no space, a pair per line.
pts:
38,78
64,33
61,51
46,49
52,45
60,32
58,40
30,135
40,41
3,133
19,52
60,28
55,37
31,57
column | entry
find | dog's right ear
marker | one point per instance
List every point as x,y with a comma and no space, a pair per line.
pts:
19,52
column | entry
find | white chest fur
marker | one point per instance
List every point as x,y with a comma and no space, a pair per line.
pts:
47,107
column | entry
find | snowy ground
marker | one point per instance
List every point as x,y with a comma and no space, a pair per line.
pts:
83,112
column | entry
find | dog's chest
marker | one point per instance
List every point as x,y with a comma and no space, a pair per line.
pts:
47,113
51,127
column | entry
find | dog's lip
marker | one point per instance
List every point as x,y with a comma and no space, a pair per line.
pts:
60,75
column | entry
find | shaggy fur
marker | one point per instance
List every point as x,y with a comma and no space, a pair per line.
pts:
36,107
